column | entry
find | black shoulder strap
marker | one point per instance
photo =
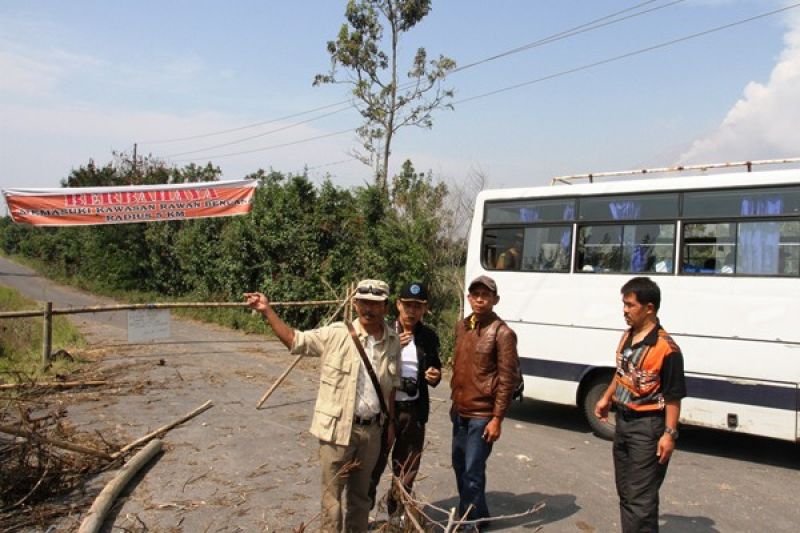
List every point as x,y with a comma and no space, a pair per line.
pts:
370,371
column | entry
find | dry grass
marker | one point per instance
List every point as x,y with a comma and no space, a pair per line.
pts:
21,341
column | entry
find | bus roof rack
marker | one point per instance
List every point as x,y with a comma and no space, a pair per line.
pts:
568,180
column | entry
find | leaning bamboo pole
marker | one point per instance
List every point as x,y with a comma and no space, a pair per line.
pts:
105,500
163,429
277,382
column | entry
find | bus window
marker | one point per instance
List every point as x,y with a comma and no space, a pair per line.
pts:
529,211
639,207
599,249
768,248
709,248
502,248
547,249
630,248
764,248
780,201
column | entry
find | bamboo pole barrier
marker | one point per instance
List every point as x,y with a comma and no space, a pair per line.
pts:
20,314
53,384
102,504
58,443
164,305
163,429
179,305
49,312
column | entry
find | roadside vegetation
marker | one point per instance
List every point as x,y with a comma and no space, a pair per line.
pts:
21,342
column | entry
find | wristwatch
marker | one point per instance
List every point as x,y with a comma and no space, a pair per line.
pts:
671,432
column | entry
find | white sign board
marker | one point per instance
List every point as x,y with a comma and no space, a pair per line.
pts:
148,325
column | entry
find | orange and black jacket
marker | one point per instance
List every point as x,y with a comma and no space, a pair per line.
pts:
650,372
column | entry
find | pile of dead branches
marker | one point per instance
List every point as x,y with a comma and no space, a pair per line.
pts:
36,470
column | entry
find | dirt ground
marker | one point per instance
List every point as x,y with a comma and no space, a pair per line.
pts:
220,470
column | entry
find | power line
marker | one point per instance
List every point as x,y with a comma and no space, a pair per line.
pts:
272,147
582,28
544,78
251,137
629,54
254,125
577,30
323,165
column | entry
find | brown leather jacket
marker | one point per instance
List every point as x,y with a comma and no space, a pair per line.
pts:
485,368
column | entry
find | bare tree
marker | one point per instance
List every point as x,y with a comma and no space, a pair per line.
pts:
372,69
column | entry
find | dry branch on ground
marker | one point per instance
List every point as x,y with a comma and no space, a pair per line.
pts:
36,470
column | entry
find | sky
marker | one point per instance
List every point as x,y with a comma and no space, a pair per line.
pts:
82,79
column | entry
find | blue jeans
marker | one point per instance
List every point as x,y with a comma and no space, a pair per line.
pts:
470,452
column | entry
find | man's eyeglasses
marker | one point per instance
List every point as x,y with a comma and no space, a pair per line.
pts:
370,290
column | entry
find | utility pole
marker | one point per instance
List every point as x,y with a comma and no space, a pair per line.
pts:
135,173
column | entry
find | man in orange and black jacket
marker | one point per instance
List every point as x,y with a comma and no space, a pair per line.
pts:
647,389
485,376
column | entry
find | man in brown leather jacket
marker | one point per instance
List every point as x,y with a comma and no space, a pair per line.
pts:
485,375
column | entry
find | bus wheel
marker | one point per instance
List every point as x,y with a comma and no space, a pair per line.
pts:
595,390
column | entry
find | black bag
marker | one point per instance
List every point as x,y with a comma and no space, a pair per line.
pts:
520,386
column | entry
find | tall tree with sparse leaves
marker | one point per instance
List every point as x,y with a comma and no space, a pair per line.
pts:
370,59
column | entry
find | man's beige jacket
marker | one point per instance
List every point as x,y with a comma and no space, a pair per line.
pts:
339,368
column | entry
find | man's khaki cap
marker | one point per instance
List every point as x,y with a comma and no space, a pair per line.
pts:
486,281
372,289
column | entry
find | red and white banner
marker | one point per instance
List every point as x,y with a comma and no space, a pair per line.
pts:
121,205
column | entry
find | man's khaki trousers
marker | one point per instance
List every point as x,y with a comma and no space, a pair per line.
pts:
348,469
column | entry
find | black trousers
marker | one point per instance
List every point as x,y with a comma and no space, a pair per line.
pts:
406,454
637,471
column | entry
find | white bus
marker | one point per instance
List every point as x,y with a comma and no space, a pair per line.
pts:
725,250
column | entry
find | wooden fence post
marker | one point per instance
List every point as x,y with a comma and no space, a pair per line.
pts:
47,333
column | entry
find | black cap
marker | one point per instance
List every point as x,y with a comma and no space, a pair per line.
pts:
486,281
414,292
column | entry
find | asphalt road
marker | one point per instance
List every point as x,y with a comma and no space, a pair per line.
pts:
238,469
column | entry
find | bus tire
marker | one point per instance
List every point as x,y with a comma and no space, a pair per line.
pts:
594,391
